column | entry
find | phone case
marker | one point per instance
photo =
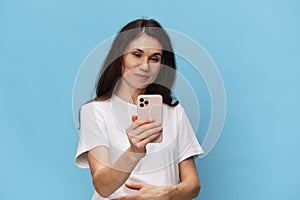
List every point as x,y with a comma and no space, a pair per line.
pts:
150,106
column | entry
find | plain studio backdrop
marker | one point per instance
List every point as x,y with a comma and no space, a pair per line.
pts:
255,44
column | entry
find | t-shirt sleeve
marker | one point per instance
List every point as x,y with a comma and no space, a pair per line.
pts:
92,133
188,145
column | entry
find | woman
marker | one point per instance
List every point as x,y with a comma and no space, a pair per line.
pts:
116,145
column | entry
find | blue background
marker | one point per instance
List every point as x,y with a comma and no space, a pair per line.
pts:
255,44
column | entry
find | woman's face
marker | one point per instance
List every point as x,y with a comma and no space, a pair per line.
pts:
141,62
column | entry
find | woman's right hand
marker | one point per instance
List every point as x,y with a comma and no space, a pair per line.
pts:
104,173
141,132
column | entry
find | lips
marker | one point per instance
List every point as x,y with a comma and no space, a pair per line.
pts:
141,76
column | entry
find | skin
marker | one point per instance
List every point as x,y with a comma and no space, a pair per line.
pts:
142,60
141,64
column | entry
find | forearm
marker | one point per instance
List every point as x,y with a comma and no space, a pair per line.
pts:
109,178
186,190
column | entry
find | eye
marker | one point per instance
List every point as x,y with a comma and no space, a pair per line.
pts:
136,54
155,59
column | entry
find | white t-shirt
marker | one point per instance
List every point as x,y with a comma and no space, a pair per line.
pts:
103,123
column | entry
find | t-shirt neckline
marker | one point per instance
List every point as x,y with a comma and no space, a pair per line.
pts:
119,99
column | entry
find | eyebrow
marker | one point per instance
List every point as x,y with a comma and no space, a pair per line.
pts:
140,50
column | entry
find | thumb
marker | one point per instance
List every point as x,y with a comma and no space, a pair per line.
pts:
133,118
135,186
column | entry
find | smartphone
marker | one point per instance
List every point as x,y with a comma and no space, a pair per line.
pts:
150,106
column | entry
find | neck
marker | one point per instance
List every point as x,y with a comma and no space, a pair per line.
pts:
129,94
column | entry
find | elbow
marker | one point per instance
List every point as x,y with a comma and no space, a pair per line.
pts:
103,194
196,190
101,189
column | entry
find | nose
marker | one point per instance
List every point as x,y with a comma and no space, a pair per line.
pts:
144,65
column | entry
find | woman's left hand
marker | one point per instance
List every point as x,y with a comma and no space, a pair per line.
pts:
147,192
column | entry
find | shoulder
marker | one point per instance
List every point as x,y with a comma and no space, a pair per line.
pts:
177,108
174,111
95,103
95,106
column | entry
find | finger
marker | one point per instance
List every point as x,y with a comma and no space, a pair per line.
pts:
138,123
143,121
120,198
148,132
134,186
149,139
145,130
134,118
147,126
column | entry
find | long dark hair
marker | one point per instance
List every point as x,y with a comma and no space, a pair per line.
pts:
111,71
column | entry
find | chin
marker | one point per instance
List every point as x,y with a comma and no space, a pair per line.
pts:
142,86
